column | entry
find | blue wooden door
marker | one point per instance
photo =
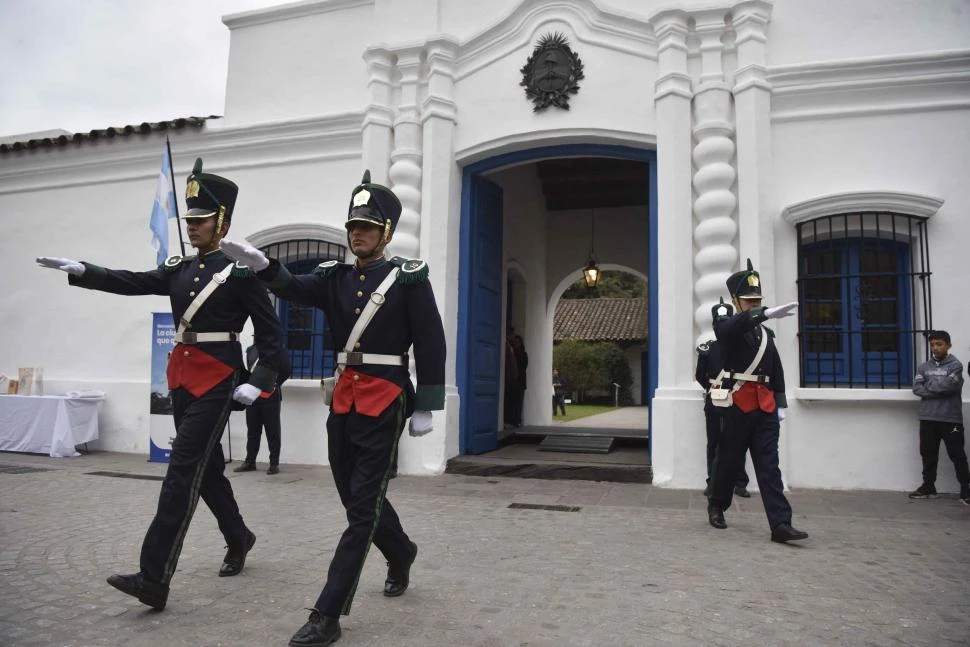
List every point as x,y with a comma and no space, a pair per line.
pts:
481,397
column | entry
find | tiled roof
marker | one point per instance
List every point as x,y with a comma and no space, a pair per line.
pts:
616,320
66,138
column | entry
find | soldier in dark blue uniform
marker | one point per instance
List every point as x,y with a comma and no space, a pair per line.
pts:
203,375
265,414
751,423
373,395
710,361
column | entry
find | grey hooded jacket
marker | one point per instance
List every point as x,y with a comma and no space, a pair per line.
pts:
939,384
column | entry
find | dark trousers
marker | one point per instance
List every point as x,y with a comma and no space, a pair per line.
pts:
715,425
196,468
263,413
362,449
516,397
931,432
559,401
756,432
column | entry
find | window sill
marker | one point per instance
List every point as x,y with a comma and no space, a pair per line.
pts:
300,383
849,395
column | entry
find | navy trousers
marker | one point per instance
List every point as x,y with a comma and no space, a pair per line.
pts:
362,450
264,413
756,432
196,469
714,422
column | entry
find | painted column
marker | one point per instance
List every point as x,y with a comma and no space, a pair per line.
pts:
674,399
714,176
405,171
440,223
376,131
752,101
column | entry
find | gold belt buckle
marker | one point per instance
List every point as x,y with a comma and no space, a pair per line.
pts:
355,358
188,338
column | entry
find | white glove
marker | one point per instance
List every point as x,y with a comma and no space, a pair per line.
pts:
246,393
62,264
778,312
781,414
420,423
245,254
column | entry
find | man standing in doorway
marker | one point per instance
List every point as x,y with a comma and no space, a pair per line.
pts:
559,390
265,414
373,395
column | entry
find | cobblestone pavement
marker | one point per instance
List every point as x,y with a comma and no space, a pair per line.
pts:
634,565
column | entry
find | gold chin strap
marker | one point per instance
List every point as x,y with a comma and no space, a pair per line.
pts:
387,231
222,215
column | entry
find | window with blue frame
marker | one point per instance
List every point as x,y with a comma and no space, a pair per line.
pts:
306,334
864,294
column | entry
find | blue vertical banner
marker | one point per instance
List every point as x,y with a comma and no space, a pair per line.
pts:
161,426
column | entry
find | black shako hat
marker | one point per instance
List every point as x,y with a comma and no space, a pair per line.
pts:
375,204
721,310
745,284
209,195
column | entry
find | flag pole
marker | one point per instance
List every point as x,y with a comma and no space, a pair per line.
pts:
178,225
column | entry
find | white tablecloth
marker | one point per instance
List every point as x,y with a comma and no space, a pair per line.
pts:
47,424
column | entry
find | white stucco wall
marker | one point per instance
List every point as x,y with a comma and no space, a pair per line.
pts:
861,100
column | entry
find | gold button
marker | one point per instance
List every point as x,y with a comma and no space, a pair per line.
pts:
196,279
356,378
363,278
359,293
357,345
202,266
356,311
191,294
186,353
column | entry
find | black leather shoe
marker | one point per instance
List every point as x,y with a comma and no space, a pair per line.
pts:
235,558
783,532
741,491
707,491
246,467
399,575
151,593
318,631
716,516
273,469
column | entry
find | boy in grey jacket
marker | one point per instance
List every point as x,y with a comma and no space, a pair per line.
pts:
938,383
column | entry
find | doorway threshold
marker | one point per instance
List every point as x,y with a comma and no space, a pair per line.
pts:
527,460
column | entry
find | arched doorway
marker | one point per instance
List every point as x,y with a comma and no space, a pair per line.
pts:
481,327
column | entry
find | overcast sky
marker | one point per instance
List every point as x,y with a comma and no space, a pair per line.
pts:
85,64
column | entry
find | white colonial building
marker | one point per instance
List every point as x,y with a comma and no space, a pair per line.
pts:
827,141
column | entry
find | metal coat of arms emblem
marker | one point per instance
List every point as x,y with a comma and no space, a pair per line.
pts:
552,73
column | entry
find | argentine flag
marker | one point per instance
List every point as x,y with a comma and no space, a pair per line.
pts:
162,209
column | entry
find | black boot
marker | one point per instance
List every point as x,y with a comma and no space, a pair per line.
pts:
318,631
716,516
246,467
399,575
235,559
784,532
154,594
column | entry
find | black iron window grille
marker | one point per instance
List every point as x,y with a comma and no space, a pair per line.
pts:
306,333
865,299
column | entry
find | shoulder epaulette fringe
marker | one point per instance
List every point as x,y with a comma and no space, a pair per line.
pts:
241,271
326,268
173,262
413,270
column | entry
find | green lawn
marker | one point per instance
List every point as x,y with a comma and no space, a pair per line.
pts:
576,411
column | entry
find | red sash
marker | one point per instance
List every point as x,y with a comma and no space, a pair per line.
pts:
370,395
194,370
753,396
